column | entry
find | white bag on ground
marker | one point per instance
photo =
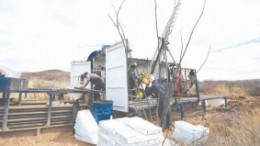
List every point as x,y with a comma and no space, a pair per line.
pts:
86,128
190,134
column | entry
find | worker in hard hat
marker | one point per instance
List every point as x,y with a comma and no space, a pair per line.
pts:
164,109
133,79
95,80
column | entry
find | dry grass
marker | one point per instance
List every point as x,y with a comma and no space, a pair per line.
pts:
232,88
239,124
241,128
222,89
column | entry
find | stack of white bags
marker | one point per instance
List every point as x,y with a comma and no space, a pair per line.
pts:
190,134
86,128
126,131
129,132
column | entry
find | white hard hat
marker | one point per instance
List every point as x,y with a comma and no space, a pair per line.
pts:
134,64
152,78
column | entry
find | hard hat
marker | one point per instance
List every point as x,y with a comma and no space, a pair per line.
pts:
134,64
152,78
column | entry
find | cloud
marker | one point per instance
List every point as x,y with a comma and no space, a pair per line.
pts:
252,41
37,35
233,64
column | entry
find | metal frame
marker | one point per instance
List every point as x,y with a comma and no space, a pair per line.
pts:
181,104
51,92
138,106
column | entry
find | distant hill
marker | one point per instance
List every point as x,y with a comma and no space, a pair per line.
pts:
47,79
60,79
47,74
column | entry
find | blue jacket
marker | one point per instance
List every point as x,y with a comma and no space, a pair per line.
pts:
157,90
160,92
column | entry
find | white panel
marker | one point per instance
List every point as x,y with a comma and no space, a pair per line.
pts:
116,77
142,126
77,68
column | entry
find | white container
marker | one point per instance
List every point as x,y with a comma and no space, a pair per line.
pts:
216,102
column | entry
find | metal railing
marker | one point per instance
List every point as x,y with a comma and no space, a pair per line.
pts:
18,116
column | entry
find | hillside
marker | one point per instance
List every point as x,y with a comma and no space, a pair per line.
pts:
47,79
60,79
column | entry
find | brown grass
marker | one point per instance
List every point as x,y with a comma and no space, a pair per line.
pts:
232,88
241,128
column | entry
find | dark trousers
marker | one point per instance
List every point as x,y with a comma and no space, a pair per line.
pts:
96,93
164,112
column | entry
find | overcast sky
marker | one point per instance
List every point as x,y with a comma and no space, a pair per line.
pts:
37,35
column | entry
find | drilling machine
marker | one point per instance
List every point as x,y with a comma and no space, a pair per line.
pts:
178,80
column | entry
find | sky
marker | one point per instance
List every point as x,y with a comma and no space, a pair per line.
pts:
38,35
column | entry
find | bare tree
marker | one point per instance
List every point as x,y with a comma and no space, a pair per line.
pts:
118,25
191,34
162,41
182,54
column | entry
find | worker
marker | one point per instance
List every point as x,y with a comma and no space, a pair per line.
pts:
164,109
179,85
95,80
192,77
182,85
133,79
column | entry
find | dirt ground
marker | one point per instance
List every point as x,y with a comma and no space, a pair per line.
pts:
226,127
62,136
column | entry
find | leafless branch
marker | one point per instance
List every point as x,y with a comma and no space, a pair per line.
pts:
182,54
117,18
156,24
181,48
118,26
204,60
187,45
171,55
112,20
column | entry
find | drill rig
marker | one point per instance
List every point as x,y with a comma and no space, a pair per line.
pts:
178,80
